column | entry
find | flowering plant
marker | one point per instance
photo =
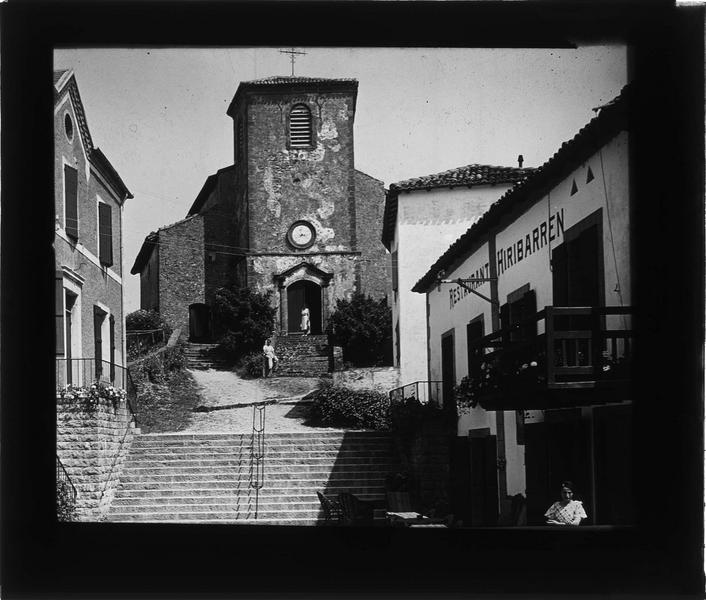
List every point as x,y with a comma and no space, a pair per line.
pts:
91,394
492,375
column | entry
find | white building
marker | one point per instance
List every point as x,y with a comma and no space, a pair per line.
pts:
422,217
560,238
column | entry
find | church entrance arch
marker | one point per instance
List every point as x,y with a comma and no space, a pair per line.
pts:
300,285
199,323
300,294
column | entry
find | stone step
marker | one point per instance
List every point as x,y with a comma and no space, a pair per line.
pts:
272,452
199,496
312,478
204,520
329,437
271,470
188,513
264,505
270,461
230,483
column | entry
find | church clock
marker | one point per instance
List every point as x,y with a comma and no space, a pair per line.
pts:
301,234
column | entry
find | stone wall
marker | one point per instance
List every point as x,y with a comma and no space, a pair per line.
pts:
285,185
375,263
223,251
382,379
92,445
181,271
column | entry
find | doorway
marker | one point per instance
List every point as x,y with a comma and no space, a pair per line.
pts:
300,294
199,323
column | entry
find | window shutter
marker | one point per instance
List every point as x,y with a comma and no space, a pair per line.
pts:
59,312
395,272
300,127
105,234
71,201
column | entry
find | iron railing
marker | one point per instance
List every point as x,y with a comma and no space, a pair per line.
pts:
257,452
137,340
423,391
579,346
81,372
86,371
63,477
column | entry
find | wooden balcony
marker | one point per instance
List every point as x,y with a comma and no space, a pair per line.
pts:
582,357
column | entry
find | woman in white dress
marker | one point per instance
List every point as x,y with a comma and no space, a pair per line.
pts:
567,511
305,324
269,357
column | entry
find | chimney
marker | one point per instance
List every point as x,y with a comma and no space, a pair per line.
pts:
520,160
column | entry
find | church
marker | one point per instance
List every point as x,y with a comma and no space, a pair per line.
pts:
292,215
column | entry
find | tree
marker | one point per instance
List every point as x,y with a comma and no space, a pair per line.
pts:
142,320
362,326
243,319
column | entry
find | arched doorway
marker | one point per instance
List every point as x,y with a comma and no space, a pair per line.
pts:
299,294
199,323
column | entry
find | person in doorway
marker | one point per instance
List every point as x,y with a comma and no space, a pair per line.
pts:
566,511
305,324
269,358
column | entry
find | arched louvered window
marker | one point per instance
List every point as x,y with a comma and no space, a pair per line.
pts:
300,134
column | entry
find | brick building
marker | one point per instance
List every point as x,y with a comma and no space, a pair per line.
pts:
89,198
292,215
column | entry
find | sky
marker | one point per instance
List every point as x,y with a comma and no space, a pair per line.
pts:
159,115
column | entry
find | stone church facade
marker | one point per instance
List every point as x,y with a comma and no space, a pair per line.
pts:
292,215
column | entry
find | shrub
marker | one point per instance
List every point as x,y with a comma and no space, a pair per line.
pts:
335,406
244,319
157,368
407,417
251,365
145,319
65,505
362,326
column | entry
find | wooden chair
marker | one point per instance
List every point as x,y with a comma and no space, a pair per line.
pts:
332,508
355,510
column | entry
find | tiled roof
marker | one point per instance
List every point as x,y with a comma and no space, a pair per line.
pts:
282,79
468,175
151,241
611,119
59,74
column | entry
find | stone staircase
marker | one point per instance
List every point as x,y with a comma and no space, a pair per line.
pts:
204,356
204,478
302,355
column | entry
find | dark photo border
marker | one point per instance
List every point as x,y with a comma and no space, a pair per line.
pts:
662,555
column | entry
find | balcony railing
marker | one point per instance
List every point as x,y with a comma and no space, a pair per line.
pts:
86,371
423,391
580,348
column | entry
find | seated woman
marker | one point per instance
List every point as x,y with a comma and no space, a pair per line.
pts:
567,511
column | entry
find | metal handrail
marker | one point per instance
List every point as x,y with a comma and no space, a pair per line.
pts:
257,452
151,337
62,475
423,391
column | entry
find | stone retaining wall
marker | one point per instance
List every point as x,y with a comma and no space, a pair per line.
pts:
381,379
92,445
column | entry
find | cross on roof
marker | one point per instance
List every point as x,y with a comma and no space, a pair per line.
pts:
292,52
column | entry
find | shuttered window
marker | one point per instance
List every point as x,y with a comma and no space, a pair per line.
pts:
395,271
59,312
71,201
300,127
105,234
